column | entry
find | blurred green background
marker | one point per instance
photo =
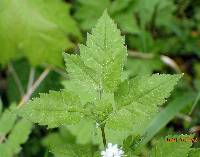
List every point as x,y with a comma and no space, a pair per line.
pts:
162,36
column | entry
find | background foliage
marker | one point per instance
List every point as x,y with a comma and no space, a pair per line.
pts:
161,37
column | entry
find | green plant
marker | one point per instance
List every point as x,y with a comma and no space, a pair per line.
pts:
13,132
36,31
101,98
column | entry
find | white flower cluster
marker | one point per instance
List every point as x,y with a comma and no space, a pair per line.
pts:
112,151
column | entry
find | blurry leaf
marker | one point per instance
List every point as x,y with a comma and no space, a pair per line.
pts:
18,136
58,139
197,17
87,16
194,153
130,25
142,66
63,144
118,5
143,42
7,121
166,10
160,8
195,103
163,148
72,150
36,29
197,70
51,82
121,11
166,115
1,106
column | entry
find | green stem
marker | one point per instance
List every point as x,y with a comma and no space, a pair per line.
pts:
35,85
102,126
103,136
143,36
195,103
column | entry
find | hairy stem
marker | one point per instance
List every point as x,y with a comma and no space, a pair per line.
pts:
100,92
27,96
31,78
140,55
103,136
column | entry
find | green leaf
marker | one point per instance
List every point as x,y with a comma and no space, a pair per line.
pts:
165,9
72,150
54,109
166,115
161,8
136,66
194,153
130,26
137,101
118,5
102,59
17,137
40,38
63,144
58,139
86,131
79,72
7,121
4,149
120,10
146,89
101,110
163,148
86,15
86,93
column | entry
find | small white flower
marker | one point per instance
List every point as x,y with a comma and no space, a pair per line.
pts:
112,151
